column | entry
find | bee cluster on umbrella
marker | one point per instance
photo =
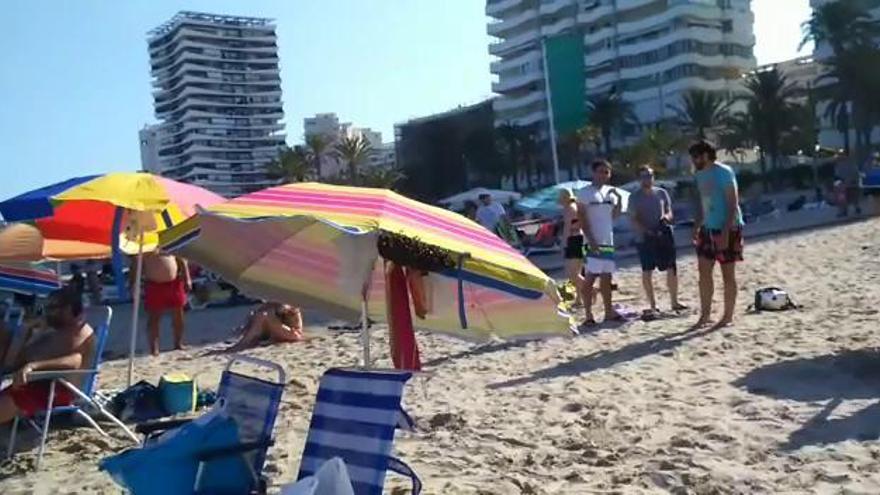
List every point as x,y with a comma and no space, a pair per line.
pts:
413,253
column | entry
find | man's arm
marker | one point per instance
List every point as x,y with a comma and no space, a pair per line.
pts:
731,198
186,276
667,206
635,220
618,205
67,362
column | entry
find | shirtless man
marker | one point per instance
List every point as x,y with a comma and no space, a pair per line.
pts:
166,282
68,345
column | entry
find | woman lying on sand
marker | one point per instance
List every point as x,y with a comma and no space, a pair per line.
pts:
271,321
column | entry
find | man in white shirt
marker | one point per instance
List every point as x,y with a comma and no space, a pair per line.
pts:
489,213
598,205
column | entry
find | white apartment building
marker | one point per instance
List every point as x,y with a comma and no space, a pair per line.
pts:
149,140
829,135
328,126
648,51
218,97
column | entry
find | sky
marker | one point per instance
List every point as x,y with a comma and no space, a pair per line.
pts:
76,84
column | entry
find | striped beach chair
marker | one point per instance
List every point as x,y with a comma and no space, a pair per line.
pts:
355,416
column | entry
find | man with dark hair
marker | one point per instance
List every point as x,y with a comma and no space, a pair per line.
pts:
651,215
69,344
489,214
717,230
598,205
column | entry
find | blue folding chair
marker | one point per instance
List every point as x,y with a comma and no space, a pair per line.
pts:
207,455
85,397
356,413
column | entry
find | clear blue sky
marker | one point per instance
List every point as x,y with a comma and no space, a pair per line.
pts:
76,85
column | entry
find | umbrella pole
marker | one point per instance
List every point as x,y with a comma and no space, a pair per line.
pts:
136,306
365,334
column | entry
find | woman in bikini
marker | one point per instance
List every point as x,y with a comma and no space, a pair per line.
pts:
574,241
272,321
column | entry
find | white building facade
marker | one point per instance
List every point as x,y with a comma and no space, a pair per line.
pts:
829,135
218,97
149,141
328,126
649,51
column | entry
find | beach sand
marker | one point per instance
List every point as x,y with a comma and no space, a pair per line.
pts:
780,403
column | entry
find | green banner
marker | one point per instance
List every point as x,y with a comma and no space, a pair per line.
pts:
565,63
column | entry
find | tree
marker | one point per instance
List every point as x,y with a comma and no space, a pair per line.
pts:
702,111
610,113
771,111
292,165
354,150
381,177
318,147
738,136
508,142
849,29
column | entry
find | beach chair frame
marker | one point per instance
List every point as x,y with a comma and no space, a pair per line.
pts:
152,429
85,397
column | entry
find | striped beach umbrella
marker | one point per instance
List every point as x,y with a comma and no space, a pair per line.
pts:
321,245
28,279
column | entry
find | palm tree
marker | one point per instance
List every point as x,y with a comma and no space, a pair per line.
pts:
382,177
318,147
702,111
354,150
849,29
292,165
739,136
610,113
770,110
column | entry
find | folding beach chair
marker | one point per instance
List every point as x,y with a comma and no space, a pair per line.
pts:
202,455
356,413
85,396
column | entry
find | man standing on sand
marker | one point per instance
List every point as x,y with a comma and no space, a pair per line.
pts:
598,205
166,282
717,230
69,345
651,215
489,213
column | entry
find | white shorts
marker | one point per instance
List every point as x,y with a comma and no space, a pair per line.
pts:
598,266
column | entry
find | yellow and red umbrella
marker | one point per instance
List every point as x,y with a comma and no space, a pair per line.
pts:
122,210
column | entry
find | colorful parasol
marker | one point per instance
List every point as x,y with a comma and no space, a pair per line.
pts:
28,279
21,242
123,210
320,245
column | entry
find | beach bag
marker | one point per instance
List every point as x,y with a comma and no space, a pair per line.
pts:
772,299
138,403
178,392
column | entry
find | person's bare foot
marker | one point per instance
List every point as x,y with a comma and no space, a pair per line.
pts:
613,316
723,322
677,306
704,320
179,347
154,351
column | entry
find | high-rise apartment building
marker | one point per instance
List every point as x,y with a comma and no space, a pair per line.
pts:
218,97
650,52
149,139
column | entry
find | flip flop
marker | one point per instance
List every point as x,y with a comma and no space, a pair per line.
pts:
649,315
680,307
588,323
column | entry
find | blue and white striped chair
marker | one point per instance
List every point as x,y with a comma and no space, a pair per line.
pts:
356,413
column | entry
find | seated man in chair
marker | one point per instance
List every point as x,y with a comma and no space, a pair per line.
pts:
68,345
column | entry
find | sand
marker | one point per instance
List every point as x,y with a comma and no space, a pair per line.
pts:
779,403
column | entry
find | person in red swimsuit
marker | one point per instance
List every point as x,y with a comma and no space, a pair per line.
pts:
166,282
69,344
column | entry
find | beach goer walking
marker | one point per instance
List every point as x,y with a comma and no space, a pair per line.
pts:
274,321
598,205
574,240
166,282
651,215
68,345
847,171
717,230
489,213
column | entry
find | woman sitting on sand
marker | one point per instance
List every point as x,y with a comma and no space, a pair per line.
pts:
271,321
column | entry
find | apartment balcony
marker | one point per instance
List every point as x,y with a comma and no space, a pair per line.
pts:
595,13
499,66
550,7
510,83
510,103
510,44
494,8
511,23
159,42
557,27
